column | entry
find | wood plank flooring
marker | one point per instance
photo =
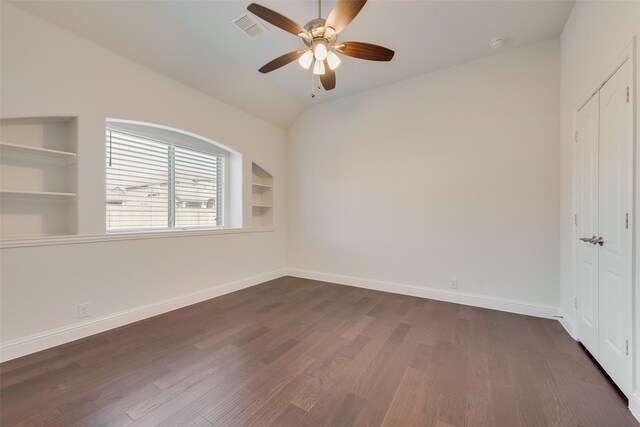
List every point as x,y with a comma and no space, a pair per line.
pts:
294,352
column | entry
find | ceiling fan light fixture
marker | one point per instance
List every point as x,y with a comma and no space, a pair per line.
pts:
318,68
306,59
320,51
333,60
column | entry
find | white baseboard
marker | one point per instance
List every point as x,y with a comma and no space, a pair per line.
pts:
568,323
465,298
51,338
634,404
33,343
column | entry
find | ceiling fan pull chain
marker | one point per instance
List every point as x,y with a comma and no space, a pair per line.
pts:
313,86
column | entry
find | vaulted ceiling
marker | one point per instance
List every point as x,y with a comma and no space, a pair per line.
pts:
197,44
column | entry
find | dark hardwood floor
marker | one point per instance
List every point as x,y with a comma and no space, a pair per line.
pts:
294,352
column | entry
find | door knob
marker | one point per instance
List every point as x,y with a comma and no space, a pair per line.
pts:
589,239
598,241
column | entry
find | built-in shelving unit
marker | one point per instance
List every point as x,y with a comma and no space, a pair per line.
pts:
262,197
37,176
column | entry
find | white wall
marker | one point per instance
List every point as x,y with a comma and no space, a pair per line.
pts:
595,35
450,174
47,71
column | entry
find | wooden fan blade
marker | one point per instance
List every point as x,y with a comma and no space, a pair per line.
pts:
280,61
328,79
343,13
371,52
276,19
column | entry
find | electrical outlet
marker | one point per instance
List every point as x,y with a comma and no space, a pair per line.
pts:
453,283
83,310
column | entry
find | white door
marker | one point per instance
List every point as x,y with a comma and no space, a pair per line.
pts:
615,200
587,125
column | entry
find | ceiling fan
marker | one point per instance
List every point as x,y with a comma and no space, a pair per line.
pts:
321,39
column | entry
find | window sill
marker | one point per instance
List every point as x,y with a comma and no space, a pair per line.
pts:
23,242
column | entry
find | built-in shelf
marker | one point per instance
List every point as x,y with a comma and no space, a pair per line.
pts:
261,196
38,174
24,152
262,186
20,193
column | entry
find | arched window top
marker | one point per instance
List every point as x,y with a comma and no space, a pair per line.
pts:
169,135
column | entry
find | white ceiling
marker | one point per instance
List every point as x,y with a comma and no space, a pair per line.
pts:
194,42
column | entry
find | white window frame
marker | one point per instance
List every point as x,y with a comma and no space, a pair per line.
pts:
176,137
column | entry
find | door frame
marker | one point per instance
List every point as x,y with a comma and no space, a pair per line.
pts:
630,53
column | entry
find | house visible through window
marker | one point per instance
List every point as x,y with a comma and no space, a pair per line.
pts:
158,180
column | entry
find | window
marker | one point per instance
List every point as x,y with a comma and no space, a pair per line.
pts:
159,179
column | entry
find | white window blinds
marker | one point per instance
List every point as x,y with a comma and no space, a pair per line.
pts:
153,184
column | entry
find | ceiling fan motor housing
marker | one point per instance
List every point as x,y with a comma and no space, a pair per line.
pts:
316,28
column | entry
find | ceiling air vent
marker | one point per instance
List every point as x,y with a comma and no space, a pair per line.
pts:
249,25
